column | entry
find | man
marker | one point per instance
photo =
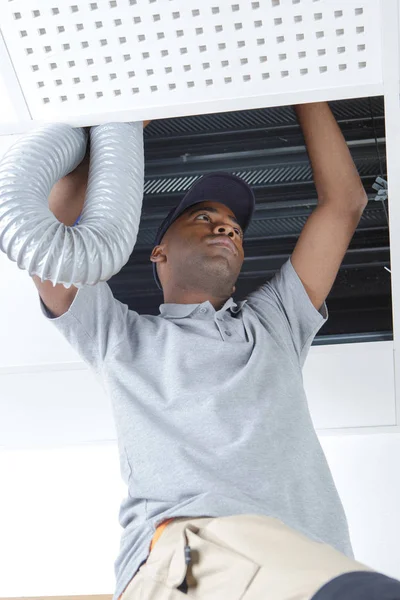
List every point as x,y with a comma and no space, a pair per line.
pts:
230,495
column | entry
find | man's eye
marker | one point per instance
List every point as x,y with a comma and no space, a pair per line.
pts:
238,231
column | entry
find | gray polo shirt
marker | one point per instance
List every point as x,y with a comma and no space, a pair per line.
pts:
210,410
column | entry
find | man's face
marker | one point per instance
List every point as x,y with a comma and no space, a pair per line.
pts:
189,256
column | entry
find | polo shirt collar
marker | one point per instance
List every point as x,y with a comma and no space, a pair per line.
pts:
179,311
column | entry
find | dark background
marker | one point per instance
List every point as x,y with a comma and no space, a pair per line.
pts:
266,148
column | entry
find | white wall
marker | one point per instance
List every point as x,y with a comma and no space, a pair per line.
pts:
366,469
59,520
59,512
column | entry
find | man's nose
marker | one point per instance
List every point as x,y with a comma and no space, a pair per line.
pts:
224,228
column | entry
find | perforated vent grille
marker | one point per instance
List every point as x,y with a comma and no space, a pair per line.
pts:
115,55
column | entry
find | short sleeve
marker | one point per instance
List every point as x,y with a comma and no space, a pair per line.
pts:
94,324
284,303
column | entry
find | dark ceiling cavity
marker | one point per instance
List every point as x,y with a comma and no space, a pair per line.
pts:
266,148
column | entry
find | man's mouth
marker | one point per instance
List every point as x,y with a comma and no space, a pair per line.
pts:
225,241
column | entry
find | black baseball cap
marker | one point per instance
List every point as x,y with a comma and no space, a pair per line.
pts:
215,187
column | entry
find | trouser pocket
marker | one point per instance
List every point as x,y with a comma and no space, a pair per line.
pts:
212,570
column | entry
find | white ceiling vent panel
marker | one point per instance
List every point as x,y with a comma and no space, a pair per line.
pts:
87,62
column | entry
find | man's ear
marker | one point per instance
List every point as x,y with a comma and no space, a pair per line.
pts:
157,254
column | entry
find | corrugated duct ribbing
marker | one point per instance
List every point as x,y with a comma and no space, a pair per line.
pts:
101,243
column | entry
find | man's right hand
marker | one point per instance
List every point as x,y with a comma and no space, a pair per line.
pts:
66,201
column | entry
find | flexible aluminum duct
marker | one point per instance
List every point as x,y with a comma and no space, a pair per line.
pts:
100,245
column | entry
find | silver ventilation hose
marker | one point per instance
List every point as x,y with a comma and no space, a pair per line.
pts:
100,245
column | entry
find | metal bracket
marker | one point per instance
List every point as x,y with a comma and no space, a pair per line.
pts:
381,187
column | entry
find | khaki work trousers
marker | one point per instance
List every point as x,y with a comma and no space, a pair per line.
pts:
240,557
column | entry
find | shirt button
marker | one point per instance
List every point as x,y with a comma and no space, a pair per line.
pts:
203,310
228,333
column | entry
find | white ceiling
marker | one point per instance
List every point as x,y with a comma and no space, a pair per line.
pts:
89,62
201,57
